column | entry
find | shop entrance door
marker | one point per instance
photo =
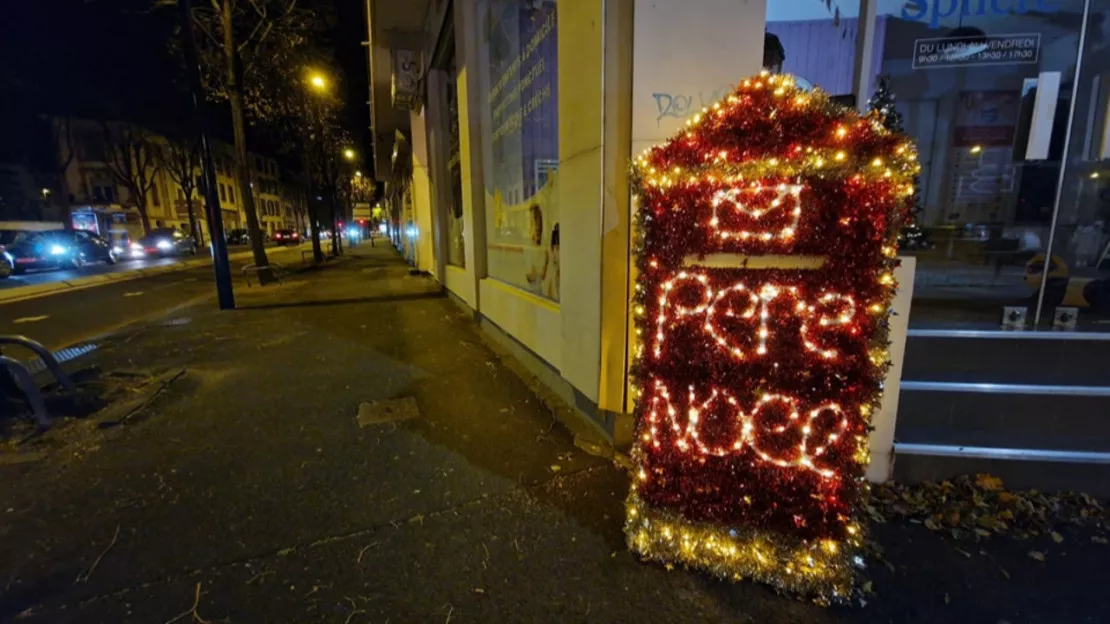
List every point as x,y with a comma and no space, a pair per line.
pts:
1075,291
988,96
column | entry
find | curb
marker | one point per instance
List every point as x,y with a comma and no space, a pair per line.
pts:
23,293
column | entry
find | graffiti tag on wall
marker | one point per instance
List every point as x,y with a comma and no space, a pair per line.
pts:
681,105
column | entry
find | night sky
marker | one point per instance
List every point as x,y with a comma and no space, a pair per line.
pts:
109,58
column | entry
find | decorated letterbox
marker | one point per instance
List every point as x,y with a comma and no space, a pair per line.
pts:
766,248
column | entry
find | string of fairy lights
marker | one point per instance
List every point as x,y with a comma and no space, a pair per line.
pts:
756,374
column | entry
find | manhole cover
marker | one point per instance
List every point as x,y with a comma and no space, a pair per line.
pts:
392,410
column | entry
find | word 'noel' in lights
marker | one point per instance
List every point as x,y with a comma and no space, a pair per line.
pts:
687,436
766,249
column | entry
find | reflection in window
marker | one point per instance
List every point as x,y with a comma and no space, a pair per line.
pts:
518,90
987,97
456,233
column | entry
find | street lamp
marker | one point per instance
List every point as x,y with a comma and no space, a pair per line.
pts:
349,154
358,174
318,82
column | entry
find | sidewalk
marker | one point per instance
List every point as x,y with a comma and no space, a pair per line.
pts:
247,491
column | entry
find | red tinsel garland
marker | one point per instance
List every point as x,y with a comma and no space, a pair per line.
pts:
765,274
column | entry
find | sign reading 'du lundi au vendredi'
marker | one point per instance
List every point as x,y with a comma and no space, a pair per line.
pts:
934,11
1014,49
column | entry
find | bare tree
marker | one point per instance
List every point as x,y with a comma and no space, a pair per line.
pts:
132,158
308,119
329,174
294,191
246,47
181,160
61,141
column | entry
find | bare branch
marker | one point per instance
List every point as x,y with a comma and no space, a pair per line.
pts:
260,10
249,40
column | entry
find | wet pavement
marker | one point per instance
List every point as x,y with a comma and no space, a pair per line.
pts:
247,490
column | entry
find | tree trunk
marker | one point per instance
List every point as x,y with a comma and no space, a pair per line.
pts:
140,199
193,226
334,226
235,97
313,222
63,200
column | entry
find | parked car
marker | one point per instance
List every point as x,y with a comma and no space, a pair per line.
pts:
55,249
165,242
238,236
287,237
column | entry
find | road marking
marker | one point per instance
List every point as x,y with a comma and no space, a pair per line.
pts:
133,294
30,319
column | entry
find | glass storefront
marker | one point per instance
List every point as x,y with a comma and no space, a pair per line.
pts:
518,91
1007,102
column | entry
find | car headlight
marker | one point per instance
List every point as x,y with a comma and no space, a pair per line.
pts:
57,250
136,247
116,249
10,258
163,244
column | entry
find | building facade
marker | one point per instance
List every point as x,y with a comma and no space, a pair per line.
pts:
267,188
503,128
26,196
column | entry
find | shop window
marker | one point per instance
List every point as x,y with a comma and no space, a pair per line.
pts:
452,210
518,75
987,96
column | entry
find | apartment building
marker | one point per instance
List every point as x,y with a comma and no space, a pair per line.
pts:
101,204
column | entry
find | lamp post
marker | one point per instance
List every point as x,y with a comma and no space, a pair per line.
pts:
220,264
318,85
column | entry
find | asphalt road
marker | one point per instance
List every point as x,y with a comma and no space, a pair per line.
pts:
35,278
71,316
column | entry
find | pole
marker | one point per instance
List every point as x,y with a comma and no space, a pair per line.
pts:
865,39
220,264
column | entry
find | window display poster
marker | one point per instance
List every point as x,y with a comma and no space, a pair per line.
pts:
520,143
987,118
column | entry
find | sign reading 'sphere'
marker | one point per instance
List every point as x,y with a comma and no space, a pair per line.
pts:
1013,49
936,12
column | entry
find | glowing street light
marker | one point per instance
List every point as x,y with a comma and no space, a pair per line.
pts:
349,154
318,82
358,174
